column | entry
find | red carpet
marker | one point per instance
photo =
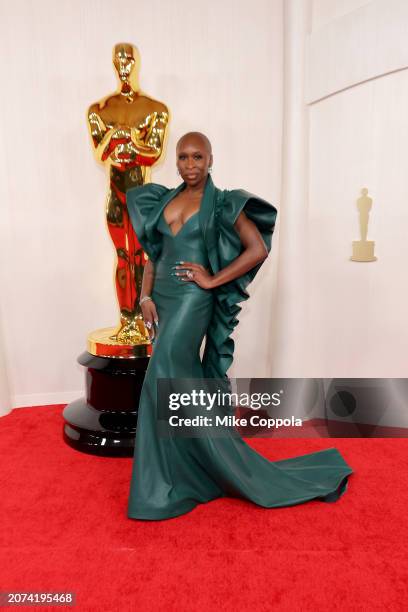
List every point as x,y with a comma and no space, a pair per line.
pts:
64,528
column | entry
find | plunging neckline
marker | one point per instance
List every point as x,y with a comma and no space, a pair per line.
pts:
184,224
193,215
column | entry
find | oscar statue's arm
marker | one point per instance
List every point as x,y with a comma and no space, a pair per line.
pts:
96,126
118,135
148,137
105,139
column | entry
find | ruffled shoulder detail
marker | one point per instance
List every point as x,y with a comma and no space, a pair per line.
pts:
219,350
144,204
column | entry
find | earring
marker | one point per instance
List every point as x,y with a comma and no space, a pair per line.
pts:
178,171
210,169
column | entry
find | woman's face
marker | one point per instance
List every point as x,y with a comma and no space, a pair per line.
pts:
193,160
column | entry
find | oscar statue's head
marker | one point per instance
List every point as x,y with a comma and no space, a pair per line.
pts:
126,59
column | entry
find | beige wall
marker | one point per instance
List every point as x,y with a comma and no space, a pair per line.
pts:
358,138
345,128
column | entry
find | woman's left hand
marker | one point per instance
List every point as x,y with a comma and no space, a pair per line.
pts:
193,272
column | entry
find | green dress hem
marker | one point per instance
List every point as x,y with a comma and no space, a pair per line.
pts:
172,476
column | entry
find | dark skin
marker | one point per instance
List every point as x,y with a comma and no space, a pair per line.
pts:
194,157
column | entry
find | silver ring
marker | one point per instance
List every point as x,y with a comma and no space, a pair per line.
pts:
148,325
190,274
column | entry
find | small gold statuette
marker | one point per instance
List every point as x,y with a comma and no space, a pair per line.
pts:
128,131
363,250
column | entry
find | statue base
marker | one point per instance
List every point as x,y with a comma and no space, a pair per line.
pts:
104,423
104,343
363,250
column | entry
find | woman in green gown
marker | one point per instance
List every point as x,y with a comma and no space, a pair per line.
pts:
221,238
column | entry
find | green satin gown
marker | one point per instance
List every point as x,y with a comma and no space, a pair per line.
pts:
170,476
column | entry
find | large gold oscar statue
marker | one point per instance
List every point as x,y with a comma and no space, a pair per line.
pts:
128,131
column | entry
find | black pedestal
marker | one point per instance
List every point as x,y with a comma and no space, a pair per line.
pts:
105,422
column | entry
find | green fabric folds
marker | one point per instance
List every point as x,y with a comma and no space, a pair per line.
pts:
218,212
